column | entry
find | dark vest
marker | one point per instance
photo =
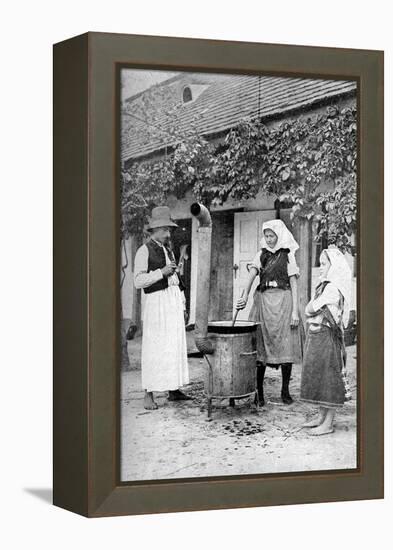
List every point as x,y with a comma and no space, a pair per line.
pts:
156,260
274,267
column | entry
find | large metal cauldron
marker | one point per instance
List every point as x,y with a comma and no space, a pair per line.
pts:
232,366
230,351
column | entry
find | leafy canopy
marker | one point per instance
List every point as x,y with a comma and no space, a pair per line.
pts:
309,162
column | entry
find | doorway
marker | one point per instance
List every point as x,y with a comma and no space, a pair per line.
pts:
181,245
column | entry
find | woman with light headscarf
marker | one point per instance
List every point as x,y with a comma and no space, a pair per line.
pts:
279,335
323,376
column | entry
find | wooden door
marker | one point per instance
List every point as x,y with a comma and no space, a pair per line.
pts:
247,237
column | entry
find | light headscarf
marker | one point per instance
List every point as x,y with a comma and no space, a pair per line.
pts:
284,236
340,276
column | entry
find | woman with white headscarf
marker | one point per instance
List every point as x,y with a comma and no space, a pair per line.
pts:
323,376
279,335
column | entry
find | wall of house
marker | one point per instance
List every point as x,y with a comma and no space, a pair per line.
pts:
126,275
130,303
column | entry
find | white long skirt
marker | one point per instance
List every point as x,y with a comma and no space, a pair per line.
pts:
164,348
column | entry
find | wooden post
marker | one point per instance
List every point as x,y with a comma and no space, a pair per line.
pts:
304,256
203,282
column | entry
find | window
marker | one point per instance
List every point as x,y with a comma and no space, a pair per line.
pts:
187,94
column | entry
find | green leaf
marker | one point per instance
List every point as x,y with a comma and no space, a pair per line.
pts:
285,174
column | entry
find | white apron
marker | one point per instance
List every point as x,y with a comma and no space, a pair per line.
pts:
164,348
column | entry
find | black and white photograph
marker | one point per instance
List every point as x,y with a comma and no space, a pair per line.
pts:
238,274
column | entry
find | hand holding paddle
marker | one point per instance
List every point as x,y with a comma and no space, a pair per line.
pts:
241,304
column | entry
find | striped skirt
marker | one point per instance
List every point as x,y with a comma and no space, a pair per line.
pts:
322,374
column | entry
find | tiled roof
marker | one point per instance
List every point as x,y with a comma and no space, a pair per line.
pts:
225,100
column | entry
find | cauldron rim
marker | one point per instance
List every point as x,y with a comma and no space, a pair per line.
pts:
225,327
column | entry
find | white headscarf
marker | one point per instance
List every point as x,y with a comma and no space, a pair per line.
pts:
340,276
284,236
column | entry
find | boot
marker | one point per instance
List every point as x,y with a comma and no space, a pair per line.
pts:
261,368
286,370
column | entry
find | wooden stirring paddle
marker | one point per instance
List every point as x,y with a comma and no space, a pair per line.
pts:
236,312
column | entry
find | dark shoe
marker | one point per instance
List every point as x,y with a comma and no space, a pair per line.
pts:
286,398
177,395
286,371
261,368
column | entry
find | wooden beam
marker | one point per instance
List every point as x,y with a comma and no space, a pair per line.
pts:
305,257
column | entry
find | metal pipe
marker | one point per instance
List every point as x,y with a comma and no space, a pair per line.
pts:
202,214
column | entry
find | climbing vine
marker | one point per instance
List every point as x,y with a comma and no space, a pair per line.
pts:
308,162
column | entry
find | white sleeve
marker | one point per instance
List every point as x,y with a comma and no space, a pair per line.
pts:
142,278
256,262
329,297
293,268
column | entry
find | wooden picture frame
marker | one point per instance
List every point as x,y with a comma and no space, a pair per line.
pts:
86,275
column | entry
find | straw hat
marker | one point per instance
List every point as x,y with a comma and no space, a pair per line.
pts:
160,217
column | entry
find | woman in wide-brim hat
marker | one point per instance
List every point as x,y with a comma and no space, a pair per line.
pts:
164,348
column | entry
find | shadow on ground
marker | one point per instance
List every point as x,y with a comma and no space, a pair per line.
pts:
43,494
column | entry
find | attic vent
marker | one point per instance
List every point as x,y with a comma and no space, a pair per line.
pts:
187,94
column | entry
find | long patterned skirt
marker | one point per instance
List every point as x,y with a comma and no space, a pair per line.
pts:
322,381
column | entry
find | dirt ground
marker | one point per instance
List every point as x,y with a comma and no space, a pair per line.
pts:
177,440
